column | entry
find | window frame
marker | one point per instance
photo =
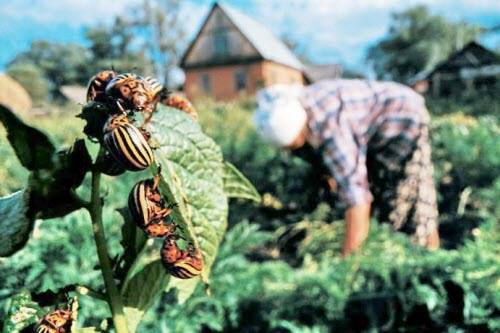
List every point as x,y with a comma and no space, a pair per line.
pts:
240,76
205,82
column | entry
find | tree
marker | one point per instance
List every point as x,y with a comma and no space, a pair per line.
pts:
416,41
116,47
161,25
31,78
60,64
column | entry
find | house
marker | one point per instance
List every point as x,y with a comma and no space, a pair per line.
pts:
315,72
233,54
470,69
74,93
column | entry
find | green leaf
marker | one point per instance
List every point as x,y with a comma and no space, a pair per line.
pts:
95,114
73,164
133,237
50,193
142,290
192,176
236,185
21,313
15,226
133,240
52,190
32,147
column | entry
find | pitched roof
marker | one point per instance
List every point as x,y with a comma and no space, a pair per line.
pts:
265,42
471,55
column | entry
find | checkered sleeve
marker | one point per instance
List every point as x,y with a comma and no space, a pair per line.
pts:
346,159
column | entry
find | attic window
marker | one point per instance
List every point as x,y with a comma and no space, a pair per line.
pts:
220,43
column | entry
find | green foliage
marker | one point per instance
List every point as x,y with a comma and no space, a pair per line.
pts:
163,34
114,47
54,176
416,41
47,66
282,272
390,285
23,311
139,299
237,186
15,225
192,176
290,185
60,64
470,146
32,79
32,147
477,104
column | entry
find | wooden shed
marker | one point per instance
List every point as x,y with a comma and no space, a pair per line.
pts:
233,54
470,69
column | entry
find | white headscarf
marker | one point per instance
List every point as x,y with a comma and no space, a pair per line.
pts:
280,116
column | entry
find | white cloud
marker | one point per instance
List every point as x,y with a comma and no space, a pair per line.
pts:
336,30
332,30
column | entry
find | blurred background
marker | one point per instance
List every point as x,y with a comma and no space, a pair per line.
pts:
279,267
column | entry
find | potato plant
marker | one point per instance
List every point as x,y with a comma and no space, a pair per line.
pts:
193,185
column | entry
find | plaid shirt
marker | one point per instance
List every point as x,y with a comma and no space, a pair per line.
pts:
346,117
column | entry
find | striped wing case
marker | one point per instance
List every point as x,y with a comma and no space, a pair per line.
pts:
139,205
129,147
183,264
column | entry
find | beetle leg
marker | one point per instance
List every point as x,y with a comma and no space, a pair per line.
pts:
164,212
120,107
147,117
156,178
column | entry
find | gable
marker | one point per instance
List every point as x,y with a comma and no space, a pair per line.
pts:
472,55
219,42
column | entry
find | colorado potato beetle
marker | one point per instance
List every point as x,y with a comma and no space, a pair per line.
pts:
130,92
181,103
97,85
127,144
58,321
155,87
148,209
182,264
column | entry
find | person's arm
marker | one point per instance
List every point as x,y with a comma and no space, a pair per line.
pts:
433,241
357,223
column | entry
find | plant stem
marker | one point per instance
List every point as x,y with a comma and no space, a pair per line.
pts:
114,298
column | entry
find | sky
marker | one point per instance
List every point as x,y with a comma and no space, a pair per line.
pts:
330,31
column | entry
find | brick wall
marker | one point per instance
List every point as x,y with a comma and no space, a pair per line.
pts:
274,73
221,82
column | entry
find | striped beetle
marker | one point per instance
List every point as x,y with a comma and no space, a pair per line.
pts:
148,209
182,264
131,92
58,321
127,144
97,85
155,87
